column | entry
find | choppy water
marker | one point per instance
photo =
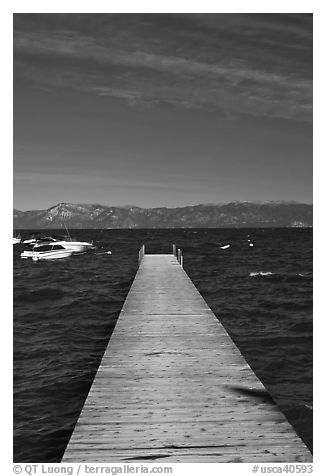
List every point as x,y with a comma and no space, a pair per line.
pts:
65,312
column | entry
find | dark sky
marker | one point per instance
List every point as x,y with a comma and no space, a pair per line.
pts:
162,109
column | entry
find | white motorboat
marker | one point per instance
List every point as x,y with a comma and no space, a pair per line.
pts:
16,238
38,239
47,251
74,246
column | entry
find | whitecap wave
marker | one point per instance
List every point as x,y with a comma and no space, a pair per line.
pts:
261,273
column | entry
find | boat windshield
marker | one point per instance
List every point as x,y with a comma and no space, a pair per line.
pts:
48,247
43,248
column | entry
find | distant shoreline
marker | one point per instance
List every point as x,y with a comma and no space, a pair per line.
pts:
228,215
164,207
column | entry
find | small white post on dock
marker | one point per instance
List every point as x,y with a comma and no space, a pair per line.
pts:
180,257
141,254
174,250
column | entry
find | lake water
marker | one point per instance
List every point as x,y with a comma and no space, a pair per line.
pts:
65,312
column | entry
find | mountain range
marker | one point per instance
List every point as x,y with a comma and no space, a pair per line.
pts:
226,215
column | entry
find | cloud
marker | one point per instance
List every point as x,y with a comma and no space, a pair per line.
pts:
237,64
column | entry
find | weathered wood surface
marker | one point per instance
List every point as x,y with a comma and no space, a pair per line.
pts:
172,385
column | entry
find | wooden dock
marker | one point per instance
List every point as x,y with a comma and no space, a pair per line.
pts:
173,387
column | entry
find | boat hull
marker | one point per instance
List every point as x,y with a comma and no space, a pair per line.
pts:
38,255
50,255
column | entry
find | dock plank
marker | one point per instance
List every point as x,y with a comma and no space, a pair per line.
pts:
173,386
